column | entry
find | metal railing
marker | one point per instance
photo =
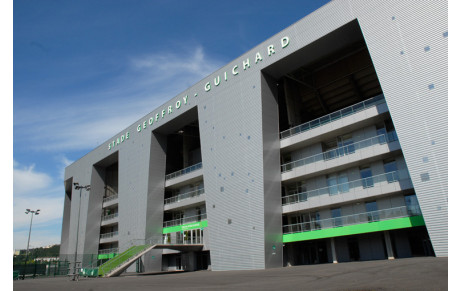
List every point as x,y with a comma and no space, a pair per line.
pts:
108,251
184,171
374,101
108,217
184,238
109,234
184,220
110,198
184,196
368,182
372,216
341,151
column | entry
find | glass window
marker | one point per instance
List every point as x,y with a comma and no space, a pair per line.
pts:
381,132
302,190
412,205
328,149
316,219
391,171
336,214
179,216
391,130
366,176
372,211
332,184
306,222
337,184
343,183
345,143
296,222
286,160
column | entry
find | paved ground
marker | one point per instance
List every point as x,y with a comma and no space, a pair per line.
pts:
402,274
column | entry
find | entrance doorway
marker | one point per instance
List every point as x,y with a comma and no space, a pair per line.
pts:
353,249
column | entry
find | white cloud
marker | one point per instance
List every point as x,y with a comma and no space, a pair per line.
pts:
27,181
169,64
50,209
35,190
46,225
63,162
86,120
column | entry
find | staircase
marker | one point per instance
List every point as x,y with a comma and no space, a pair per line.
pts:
120,263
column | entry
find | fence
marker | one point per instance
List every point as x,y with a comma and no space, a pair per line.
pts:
41,269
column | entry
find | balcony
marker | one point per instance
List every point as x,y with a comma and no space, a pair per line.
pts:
346,155
184,196
184,176
109,200
109,219
184,171
334,116
188,199
354,219
109,235
185,220
387,183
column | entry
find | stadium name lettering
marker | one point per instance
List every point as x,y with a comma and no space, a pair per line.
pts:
246,64
154,118
236,69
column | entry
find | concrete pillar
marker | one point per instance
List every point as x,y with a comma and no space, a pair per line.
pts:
386,234
334,254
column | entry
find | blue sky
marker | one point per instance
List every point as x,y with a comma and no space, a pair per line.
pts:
84,70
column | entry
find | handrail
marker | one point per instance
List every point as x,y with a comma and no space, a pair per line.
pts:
137,245
180,221
184,196
352,109
184,171
107,217
109,234
389,177
109,198
341,151
155,239
370,216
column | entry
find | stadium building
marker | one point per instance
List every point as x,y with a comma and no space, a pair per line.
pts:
325,143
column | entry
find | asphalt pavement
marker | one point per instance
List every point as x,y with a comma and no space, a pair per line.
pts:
424,273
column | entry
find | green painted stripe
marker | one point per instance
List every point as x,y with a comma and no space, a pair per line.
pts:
356,229
193,225
106,256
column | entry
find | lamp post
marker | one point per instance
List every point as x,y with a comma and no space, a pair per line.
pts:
78,187
32,212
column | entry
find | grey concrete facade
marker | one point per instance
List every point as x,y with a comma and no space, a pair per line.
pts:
237,112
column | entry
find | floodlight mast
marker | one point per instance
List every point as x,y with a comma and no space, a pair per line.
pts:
32,212
78,187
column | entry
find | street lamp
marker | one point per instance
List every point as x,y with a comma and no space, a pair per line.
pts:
32,212
78,187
